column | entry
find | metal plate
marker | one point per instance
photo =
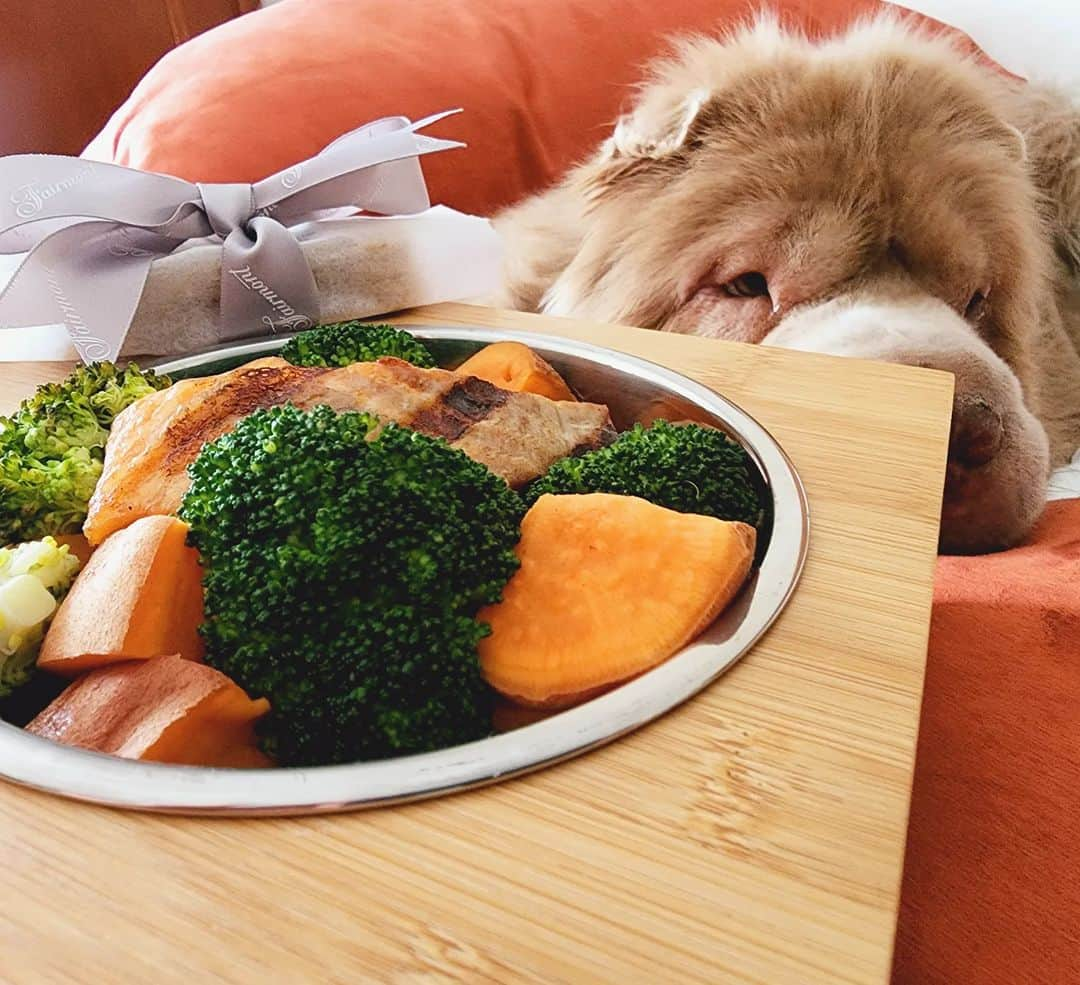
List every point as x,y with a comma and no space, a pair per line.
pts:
634,390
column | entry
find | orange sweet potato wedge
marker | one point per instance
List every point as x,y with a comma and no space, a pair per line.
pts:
165,710
513,366
609,587
139,596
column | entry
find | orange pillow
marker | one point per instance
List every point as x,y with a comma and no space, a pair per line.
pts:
990,892
540,81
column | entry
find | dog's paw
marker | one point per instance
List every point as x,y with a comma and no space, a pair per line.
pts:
999,458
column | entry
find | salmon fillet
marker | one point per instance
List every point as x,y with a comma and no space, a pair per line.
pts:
152,442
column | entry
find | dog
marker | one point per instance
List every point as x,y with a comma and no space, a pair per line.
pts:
880,194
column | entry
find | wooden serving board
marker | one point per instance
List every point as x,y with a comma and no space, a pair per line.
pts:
754,835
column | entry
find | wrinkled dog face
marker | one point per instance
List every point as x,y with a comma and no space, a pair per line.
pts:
862,196
765,174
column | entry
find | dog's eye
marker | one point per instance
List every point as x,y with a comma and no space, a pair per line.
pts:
976,307
749,285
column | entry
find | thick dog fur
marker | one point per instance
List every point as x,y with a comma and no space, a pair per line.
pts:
900,201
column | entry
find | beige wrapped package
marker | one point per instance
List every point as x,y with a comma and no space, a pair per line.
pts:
144,265
363,267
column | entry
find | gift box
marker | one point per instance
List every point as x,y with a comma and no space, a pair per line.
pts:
106,262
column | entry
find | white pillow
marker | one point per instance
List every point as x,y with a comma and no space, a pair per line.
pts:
1036,39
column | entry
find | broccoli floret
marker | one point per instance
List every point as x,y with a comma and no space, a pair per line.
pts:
34,578
49,434
101,388
39,494
344,566
684,467
346,342
53,447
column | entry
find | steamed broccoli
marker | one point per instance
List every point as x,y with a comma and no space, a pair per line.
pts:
684,467
34,578
344,566
102,388
52,448
348,342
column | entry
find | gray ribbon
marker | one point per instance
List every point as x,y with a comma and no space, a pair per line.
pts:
91,231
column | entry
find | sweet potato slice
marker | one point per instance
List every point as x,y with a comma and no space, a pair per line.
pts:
139,596
609,587
513,366
167,710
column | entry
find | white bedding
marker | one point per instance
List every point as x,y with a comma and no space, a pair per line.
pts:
1065,482
1035,40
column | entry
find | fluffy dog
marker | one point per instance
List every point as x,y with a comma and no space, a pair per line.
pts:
881,195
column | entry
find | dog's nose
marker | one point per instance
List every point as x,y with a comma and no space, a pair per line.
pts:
976,434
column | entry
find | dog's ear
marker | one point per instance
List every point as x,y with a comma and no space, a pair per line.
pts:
1049,122
656,128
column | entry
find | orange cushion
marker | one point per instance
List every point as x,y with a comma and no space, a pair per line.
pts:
990,891
539,81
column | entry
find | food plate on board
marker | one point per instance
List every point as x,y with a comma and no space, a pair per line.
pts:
543,730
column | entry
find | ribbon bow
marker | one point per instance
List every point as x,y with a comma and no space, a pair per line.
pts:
92,230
